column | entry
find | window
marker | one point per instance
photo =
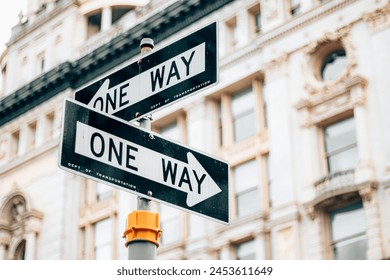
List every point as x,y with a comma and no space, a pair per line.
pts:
40,62
231,33
246,250
94,23
15,142
103,233
171,131
255,19
243,114
20,251
50,126
348,232
32,135
103,191
246,181
117,13
170,224
341,146
197,226
24,73
295,7
334,65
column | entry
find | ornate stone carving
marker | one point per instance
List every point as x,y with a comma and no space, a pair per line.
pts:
18,208
367,191
311,212
327,38
314,85
326,99
332,101
276,67
378,19
269,9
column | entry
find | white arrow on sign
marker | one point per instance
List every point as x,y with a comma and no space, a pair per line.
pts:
189,177
163,76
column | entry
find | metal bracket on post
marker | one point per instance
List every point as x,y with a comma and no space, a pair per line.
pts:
143,226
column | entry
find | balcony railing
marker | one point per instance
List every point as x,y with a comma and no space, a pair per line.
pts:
335,181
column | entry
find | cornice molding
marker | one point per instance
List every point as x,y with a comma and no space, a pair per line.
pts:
287,28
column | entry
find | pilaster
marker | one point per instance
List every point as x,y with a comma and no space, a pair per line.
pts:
374,237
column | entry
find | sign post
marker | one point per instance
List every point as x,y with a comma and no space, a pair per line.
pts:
140,247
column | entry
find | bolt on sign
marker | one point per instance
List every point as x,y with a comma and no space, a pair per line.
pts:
110,150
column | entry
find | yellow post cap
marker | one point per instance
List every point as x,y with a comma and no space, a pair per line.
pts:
143,225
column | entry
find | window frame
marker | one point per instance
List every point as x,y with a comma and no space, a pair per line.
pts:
236,246
262,186
224,121
255,26
322,138
86,240
328,224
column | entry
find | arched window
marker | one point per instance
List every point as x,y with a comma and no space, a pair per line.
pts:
20,251
334,65
15,216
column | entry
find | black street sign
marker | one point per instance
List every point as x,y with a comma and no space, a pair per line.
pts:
110,150
164,76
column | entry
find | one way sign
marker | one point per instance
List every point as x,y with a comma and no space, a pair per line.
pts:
165,76
110,150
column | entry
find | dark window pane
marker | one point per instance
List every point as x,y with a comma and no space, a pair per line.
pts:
334,65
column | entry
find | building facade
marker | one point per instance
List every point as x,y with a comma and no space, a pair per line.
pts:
300,113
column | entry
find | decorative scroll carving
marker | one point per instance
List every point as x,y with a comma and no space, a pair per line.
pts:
315,85
367,192
311,212
326,99
378,19
327,38
18,208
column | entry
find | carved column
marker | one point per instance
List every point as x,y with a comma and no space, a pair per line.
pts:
106,18
364,171
374,237
316,244
33,221
5,240
30,246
